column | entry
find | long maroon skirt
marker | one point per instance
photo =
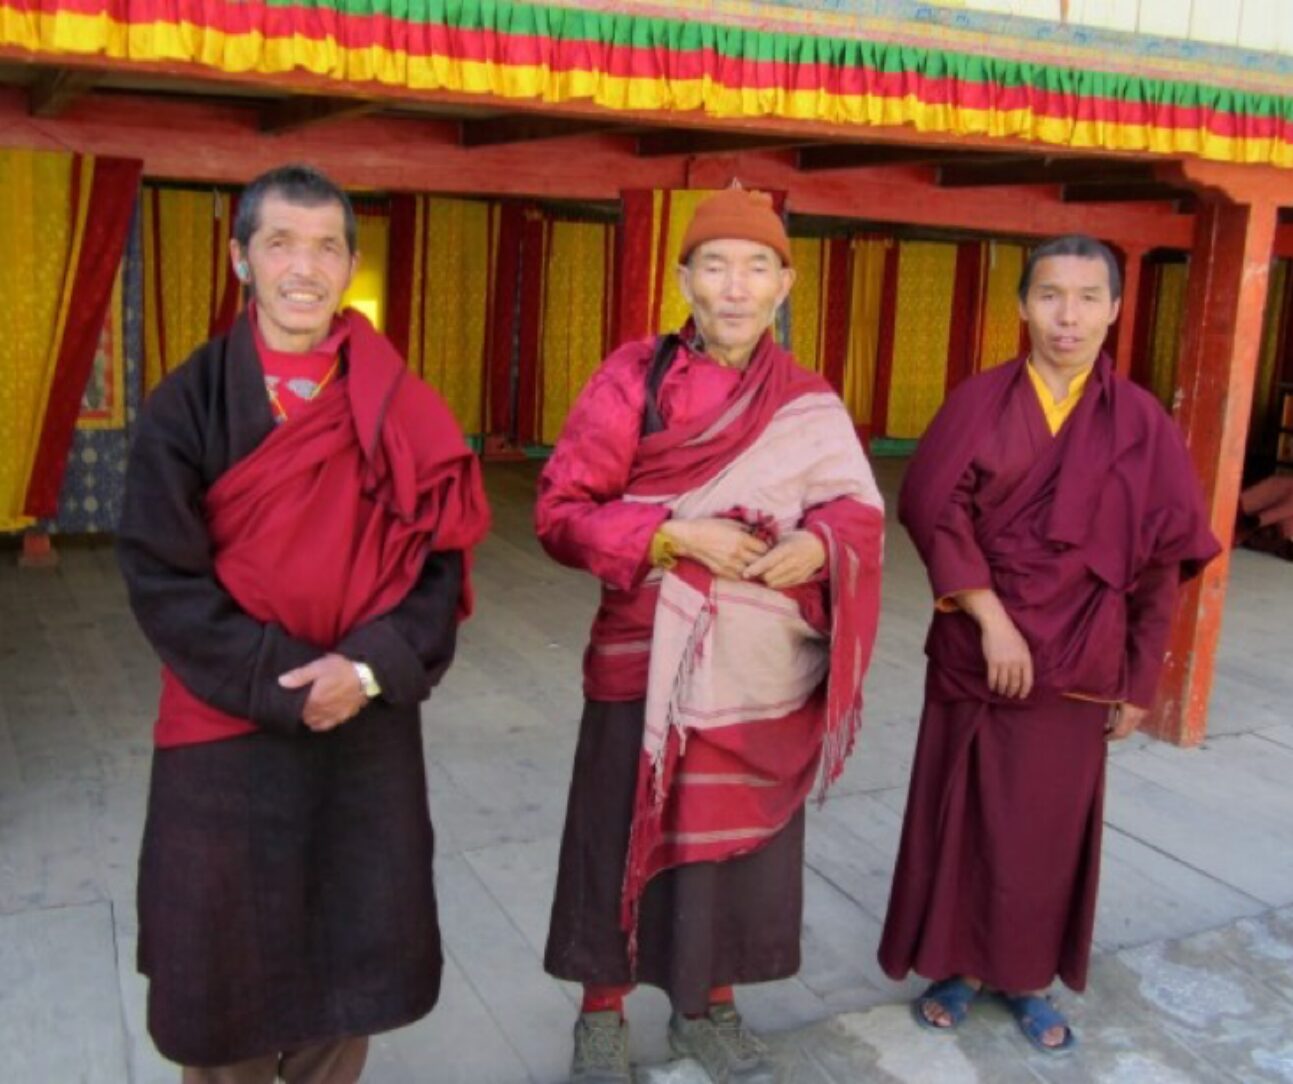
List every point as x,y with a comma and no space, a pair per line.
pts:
1000,855
702,925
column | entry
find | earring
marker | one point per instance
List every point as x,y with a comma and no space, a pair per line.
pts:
243,271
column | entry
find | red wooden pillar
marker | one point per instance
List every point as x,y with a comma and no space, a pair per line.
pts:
1124,353
1229,268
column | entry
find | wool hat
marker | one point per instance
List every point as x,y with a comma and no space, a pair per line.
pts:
736,214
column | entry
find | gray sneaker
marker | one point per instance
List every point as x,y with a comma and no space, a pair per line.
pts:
601,1049
726,1049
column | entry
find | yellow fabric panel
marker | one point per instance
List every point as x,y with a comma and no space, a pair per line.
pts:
1166,338
574,311
864,327
416,287
999,341
454,297
682,205
1268,359
1057,411
808,255
38,237
926,277
184,225
367,291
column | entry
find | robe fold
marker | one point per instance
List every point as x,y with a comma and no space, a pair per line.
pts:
1084,535
724,765
285,886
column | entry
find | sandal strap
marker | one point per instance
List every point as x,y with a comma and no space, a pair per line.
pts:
953,996
1036,1015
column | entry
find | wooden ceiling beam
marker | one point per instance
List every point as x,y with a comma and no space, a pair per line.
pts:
499,131
818,159
293,114
1042,171
1128,192
669,142
58,88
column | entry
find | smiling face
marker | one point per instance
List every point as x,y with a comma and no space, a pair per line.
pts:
734,288
300,265
1068,308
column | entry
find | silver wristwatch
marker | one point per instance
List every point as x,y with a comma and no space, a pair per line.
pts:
367,679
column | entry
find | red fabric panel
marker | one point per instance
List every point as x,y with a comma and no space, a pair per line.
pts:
115,184
400,261
835,308
963,330
634,262
502,320
534,261
884,343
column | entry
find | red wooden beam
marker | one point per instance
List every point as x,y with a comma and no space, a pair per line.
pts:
667,142
497,131
293,114
869,155
58,88
1226,298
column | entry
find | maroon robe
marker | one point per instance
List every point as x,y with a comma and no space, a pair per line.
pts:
1084,536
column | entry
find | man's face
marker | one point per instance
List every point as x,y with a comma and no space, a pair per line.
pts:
1068,309
300,266
734,288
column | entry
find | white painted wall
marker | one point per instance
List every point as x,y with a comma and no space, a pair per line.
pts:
1265,25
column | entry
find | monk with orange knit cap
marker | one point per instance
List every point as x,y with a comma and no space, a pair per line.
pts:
719,493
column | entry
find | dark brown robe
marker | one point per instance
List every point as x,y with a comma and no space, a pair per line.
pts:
285,884
1084,536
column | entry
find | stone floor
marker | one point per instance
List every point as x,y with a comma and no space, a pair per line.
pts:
1194,979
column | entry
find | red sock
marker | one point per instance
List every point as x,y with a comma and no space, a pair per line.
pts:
721,995
604,998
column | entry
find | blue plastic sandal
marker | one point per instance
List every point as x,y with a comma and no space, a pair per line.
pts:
954,996
1036,1015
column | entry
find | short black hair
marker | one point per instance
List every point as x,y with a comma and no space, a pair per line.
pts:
296,183
1072,244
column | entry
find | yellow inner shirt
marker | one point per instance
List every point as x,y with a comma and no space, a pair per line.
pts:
1057,410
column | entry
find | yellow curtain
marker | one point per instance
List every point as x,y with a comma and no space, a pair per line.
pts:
808,255
451,292
574,317
367,291
926,276
40,232
1268,359
1002,264
186,263
682,205
1166,337
864,326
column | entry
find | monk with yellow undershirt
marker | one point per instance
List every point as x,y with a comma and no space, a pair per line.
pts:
1056,511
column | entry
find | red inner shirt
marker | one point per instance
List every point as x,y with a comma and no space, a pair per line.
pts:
292,380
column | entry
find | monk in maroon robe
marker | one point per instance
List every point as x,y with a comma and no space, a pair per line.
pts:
1054,506
720,494
299,513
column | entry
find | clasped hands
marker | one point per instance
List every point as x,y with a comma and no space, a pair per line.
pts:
730,551
336,694
1010,662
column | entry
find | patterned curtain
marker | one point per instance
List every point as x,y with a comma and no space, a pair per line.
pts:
61,241
999,338
578,287
441,261
869,256
1165,335
190,293
922,320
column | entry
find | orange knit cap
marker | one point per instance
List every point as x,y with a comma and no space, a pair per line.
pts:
736,214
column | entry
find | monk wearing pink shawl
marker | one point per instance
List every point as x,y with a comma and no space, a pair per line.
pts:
1055,509
720,494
